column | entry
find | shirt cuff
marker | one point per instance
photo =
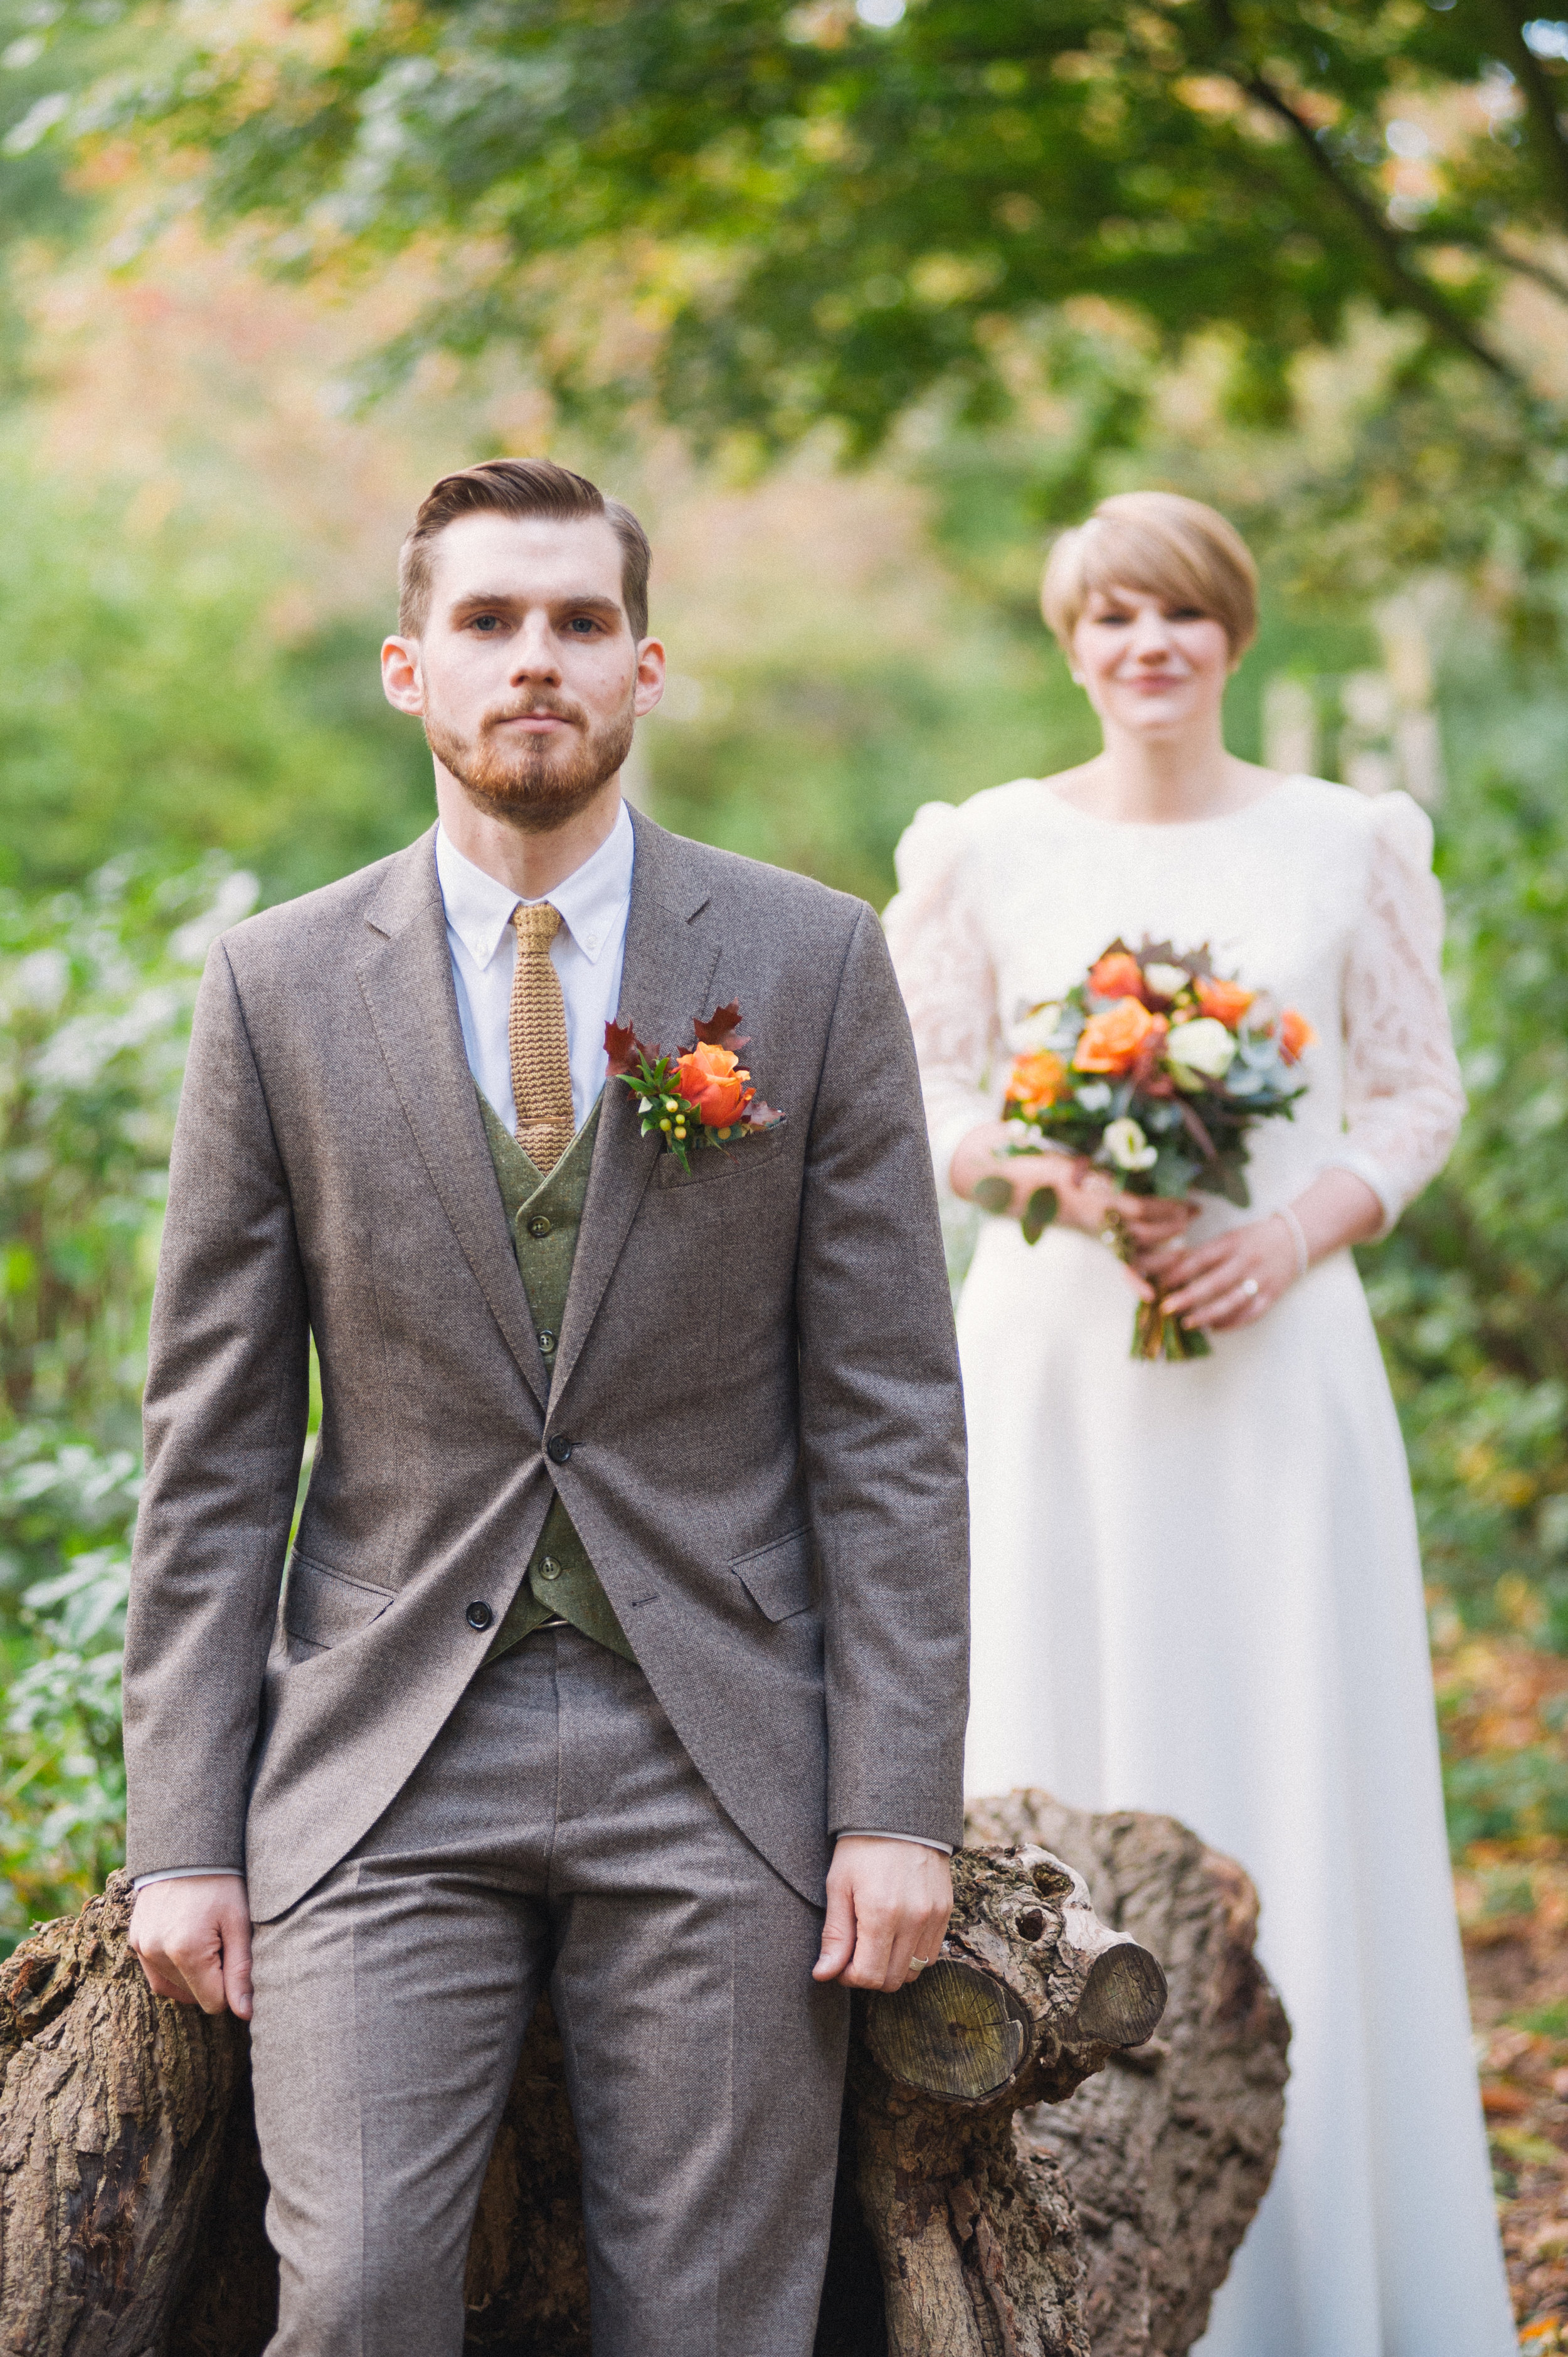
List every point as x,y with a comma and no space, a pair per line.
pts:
860,1832
182,1873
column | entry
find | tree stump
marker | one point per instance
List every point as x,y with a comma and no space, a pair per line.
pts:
1170,2151
131,2194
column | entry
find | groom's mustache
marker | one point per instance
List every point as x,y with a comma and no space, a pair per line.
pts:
557,707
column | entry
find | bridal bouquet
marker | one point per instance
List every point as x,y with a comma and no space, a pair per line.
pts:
1155,1068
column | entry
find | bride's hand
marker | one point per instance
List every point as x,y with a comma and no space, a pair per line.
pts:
1084,1195
1229,1282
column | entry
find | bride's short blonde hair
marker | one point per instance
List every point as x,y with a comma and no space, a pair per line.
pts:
1163,545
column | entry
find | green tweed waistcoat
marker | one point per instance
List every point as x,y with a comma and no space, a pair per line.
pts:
544,1215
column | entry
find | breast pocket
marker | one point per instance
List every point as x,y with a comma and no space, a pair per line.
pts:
320,1608
711,1162
778,1578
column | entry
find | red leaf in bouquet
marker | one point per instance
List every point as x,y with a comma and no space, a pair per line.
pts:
759,1115
722,1029
623,1049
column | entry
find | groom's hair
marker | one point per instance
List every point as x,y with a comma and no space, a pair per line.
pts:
517,486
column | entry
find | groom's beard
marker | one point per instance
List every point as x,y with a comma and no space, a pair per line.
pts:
533,782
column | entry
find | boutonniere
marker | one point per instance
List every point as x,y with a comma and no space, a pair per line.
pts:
703,1097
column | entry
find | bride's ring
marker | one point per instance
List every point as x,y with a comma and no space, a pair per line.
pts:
1248,1287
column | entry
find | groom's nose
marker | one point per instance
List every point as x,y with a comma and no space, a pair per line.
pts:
536,655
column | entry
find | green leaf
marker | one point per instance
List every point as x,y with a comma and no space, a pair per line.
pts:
1039,1213
993,1195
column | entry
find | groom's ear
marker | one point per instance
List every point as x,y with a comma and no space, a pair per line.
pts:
649,675
403,682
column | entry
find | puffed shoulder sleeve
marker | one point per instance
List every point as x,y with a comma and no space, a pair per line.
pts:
944,969
1403,1096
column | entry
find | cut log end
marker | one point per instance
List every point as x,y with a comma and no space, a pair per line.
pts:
955,2033
1125,1998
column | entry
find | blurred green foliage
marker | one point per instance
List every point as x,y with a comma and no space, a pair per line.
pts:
96,989
146,705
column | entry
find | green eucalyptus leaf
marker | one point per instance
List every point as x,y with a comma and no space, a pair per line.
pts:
993,1195
1039,1213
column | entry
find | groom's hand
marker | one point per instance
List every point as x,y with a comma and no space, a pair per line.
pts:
193,1936
889,1903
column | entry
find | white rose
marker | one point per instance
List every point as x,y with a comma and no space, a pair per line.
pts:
1204,1049
1036,1027
1127,1146
1165,981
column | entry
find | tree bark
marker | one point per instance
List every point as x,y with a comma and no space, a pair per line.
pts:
1169,2151
132,2192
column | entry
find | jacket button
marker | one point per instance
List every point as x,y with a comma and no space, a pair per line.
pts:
549,1569
546,1340
559,1450
540,1227
478,1616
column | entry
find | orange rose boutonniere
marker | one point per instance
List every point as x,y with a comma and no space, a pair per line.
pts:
703,1097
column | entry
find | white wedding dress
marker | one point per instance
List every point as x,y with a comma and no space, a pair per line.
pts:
1197,1587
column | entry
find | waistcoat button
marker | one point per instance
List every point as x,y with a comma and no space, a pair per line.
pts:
478,1616
546,1340
559,1450
540,1227
549,1569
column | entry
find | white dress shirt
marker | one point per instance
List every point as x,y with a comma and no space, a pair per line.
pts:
587,953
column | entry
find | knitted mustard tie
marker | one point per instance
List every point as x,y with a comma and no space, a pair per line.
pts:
536,1034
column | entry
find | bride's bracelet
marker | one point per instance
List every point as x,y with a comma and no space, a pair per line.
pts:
1298,1237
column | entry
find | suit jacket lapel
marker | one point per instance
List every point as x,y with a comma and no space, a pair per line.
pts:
672,949
405,974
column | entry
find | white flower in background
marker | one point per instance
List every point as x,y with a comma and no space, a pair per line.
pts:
1165,981
1037,1027
1127,1146
1203,1050
1094,1096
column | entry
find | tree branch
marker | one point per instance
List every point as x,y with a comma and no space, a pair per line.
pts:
1541,101
1540,271
1389,246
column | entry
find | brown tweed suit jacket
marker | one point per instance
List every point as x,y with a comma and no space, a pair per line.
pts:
756,1377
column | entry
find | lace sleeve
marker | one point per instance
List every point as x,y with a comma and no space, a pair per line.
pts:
945,972
1403,1096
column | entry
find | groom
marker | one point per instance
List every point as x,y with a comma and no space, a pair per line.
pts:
624,1625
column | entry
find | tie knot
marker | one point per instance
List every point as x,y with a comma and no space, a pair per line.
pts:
537,925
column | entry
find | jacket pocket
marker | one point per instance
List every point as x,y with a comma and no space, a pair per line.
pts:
324,1607
711,1162
778,1578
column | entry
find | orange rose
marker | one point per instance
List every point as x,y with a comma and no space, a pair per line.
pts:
1226,1001
1117,974
712,1082
1109,1042
1036,1080
1295,1033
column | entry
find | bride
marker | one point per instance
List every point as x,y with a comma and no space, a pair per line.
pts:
1196,1585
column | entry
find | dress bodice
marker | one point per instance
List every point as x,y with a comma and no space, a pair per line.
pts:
1313,893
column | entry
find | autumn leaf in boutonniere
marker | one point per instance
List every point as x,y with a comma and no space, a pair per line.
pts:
702,1096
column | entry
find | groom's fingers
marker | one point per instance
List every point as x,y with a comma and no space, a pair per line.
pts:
838,1933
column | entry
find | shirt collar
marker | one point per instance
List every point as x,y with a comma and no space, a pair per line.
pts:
591,902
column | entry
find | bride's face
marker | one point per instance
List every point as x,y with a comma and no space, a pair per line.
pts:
1150,665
